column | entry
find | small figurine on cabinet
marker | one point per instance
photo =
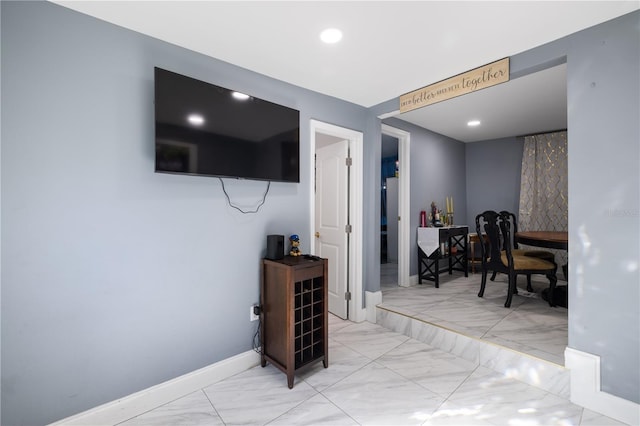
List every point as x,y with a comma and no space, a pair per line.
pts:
295,243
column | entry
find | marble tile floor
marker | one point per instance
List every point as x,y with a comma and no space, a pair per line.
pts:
530,326
375,377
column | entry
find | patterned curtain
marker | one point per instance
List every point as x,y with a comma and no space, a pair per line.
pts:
544,203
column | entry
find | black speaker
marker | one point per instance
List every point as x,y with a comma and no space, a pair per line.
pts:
275,247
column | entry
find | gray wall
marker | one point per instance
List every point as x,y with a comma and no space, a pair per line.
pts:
603,93
371,204
115,278
437,171
493,176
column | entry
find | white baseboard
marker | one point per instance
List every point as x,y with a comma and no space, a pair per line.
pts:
133,405
371,300
413,280
360,316
585,388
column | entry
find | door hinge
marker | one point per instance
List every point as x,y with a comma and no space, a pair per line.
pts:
347,295
347,229
348,161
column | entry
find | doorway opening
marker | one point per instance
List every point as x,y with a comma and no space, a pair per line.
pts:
476,199
398,221
389,174
336,214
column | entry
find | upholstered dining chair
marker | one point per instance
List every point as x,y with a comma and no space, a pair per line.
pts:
497,255
542,254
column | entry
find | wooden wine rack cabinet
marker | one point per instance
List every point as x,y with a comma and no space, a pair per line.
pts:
293,328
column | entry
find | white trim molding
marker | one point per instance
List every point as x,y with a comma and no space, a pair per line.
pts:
414,280
372,299
585,388
133,405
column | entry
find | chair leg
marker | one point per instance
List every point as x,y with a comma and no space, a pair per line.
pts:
529,286
552,287
483,283
510,290
493,276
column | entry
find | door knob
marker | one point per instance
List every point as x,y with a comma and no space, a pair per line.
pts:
317,234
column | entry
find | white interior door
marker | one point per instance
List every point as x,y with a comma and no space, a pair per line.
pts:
331,219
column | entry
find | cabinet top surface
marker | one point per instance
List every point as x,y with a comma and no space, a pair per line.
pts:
298,261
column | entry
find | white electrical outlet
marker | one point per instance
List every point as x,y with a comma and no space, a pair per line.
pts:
252,316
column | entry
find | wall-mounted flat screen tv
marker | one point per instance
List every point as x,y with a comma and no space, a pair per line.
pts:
204,129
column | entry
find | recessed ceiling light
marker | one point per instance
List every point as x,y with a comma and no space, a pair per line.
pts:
473,123
331,35
240,96
196,119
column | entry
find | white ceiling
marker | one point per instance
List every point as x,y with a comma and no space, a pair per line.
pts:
389,48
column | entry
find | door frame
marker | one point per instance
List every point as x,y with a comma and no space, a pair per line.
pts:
356,312
404,199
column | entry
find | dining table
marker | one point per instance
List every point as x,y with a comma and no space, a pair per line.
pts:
547,239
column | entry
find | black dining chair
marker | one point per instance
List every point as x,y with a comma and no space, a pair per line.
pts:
542,254
497,255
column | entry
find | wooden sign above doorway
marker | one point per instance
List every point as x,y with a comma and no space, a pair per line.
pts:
479,78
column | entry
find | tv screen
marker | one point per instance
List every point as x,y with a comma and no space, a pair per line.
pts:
204,129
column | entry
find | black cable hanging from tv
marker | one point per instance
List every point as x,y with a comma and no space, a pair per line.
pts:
257,209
